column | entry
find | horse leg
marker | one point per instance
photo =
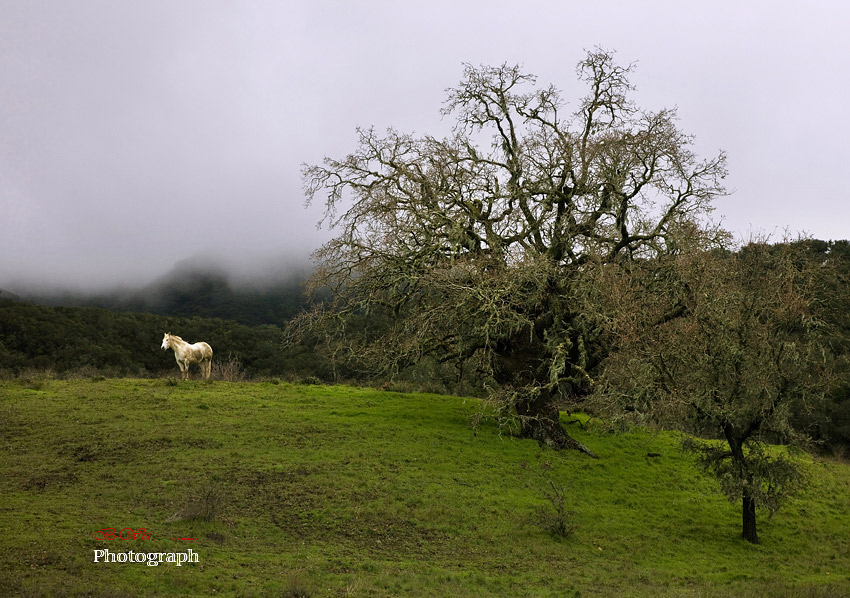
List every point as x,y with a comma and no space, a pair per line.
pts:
184,369
206,366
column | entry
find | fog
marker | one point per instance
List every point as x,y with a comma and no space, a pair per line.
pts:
137,135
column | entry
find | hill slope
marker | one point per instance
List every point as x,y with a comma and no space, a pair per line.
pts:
333,491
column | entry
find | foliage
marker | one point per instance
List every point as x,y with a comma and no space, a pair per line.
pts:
228,369
769,479
725,344
830,261
374,493
470,249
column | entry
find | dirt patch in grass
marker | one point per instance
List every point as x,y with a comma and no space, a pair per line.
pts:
282,496
129,450
49,480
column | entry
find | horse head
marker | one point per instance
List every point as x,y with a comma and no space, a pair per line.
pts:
166,340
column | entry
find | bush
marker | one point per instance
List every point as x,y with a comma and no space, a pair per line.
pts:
228,370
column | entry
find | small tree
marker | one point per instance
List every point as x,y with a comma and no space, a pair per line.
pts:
722,344
471,249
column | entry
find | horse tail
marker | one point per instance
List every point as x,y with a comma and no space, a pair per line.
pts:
207,363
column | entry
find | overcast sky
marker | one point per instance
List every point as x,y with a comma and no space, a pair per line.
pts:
137,134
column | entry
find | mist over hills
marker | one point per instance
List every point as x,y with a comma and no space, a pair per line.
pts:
249,291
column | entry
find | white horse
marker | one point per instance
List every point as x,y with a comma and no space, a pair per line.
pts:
200,353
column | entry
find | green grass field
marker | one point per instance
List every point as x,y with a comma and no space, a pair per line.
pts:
337,491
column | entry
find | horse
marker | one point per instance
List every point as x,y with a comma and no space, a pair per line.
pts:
200,353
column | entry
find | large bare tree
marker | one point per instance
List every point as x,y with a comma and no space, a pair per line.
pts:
471,248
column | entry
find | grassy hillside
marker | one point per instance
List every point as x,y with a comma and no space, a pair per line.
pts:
336,491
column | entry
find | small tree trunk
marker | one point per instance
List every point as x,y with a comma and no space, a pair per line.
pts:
736,447
749,519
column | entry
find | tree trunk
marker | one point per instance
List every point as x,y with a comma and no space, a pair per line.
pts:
519,365
736,447
749,519
541,421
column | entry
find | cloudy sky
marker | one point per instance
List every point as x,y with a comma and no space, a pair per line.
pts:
135,134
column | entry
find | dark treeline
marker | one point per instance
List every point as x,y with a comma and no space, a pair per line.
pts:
99,341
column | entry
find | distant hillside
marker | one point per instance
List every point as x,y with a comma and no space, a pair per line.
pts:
197,289
8,295
210,294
